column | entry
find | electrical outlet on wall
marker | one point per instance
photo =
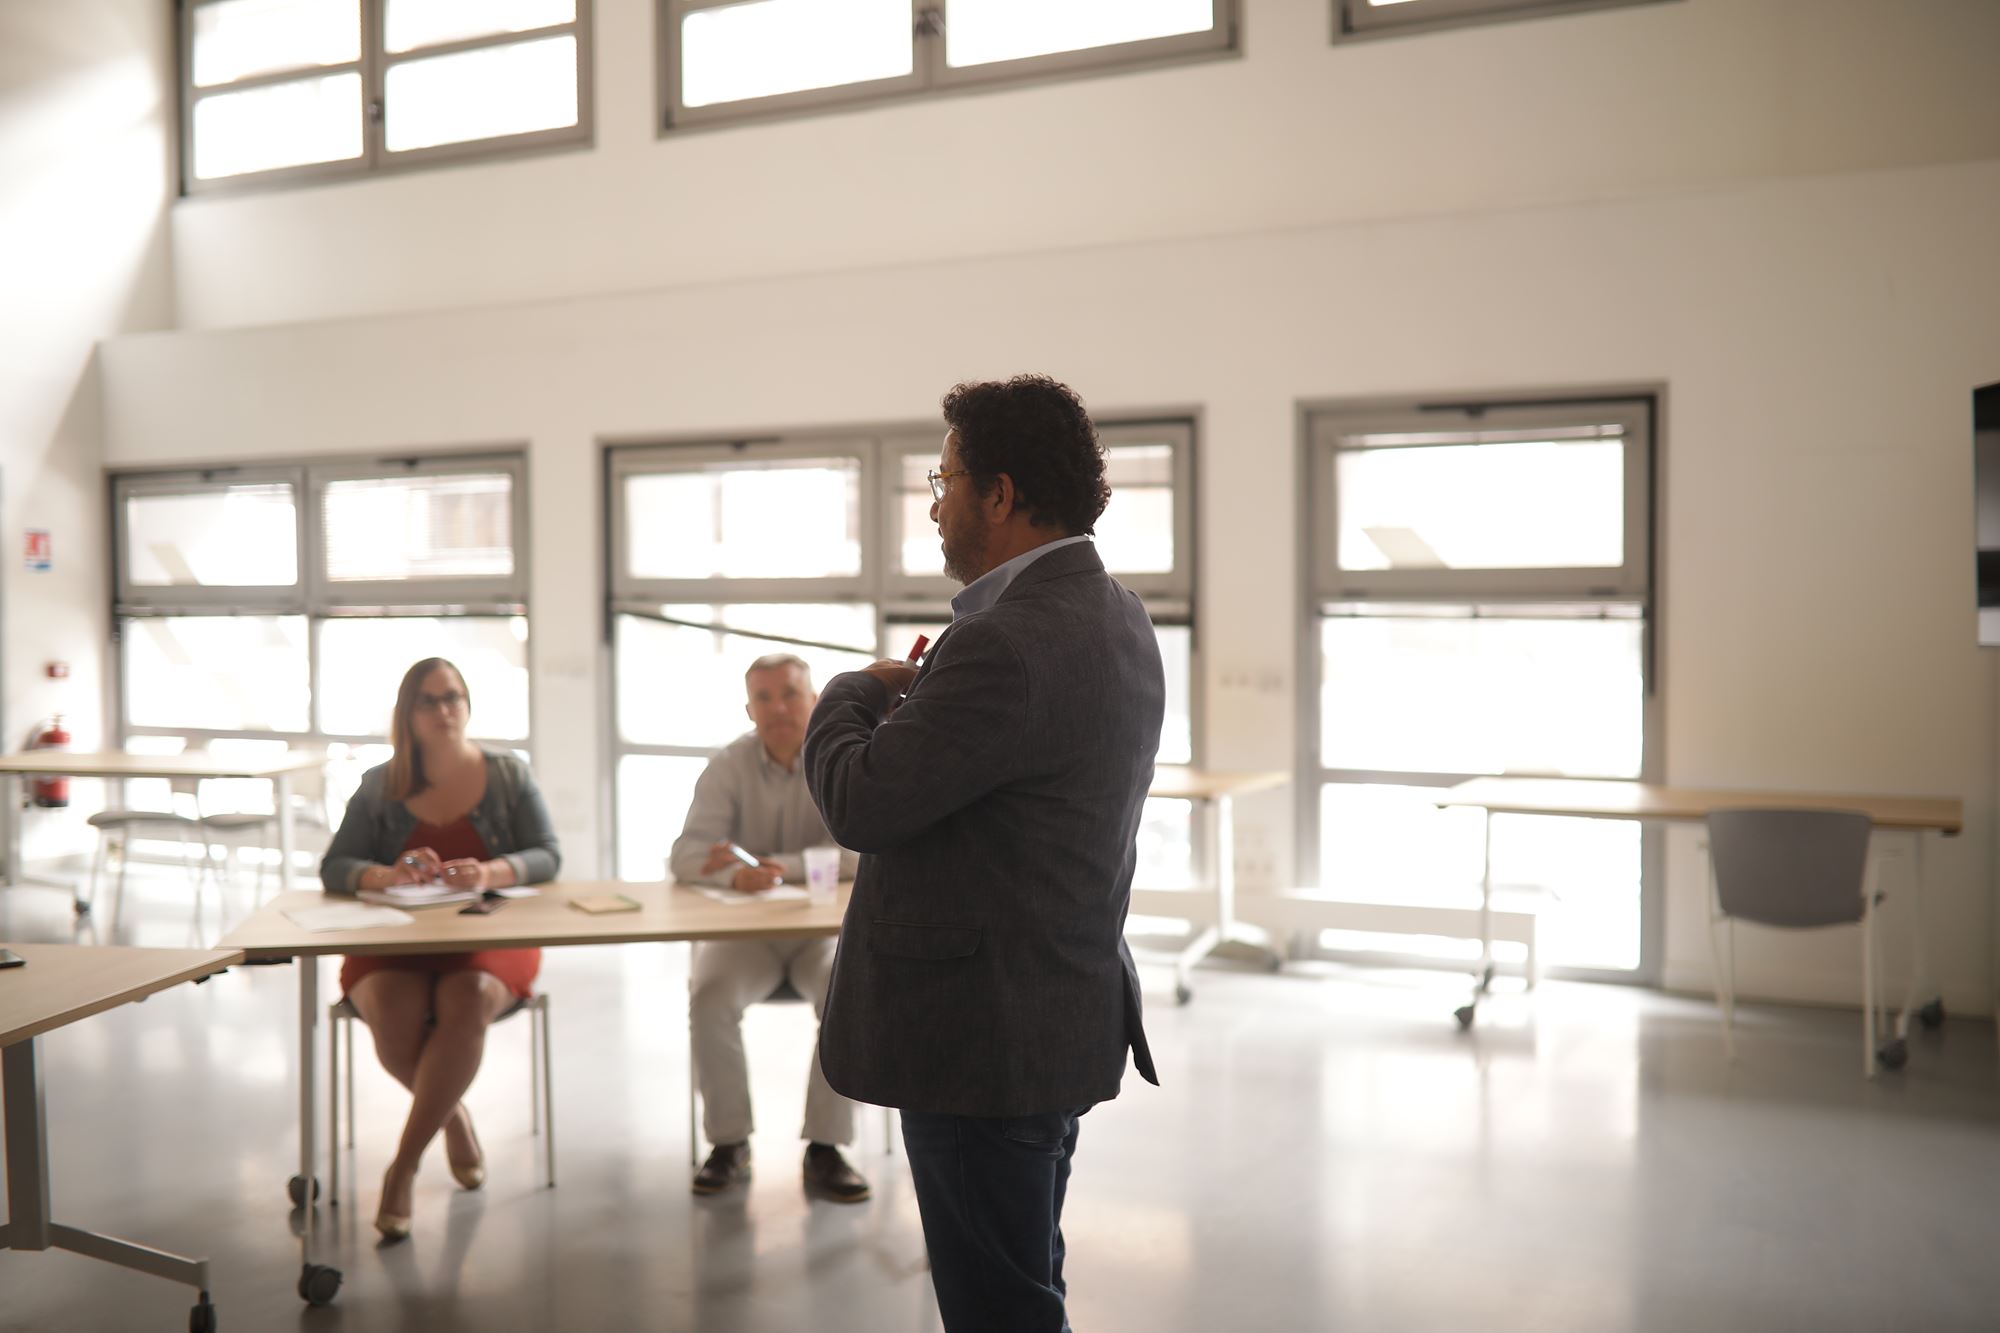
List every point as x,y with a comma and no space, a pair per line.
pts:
1256,859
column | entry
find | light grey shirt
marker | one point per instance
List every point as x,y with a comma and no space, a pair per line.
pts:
746,797
985,590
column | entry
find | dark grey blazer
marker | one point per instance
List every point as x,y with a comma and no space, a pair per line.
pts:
982,967
511,819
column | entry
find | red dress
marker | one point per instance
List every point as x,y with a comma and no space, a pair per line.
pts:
515,967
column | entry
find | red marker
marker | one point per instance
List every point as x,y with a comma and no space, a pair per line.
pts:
917,649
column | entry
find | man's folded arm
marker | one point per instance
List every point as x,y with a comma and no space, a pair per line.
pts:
955,738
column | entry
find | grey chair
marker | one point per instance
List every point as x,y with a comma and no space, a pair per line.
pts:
312,816
1796,870
124,826
785,994
341,1017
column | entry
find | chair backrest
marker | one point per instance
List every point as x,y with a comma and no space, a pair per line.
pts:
1790,867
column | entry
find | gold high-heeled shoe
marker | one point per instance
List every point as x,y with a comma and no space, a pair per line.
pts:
393,1226
473,1176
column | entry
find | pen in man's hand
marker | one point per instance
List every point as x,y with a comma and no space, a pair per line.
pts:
917,649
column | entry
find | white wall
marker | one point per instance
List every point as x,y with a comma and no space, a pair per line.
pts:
1298,132
1818,338
86,102
1781,210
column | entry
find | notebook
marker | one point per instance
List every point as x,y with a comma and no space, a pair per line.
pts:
599,903
417,895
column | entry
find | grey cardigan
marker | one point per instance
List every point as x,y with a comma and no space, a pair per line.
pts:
510,818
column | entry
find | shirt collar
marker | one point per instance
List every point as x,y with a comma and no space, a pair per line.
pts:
770,765
985,590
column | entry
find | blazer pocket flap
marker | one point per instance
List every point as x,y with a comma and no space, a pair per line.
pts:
913,939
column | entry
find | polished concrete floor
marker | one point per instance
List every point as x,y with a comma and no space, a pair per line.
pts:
1328,1153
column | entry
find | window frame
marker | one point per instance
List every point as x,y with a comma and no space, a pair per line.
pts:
930,75
898,598
465,596
247,599
1640,410
388,599
1354,19
1625,581
373,66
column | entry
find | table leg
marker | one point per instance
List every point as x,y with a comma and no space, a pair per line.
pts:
29,1226
1204,942
282,789
1483,980
317,1282
14,811
27,1150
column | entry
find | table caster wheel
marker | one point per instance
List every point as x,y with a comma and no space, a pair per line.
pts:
1465,1014
296,1188
1932,1014
201,1319
1276,964
1894,1054
80,907
1181,993
318,1284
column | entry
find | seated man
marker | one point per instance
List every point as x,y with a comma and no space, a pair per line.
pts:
753,794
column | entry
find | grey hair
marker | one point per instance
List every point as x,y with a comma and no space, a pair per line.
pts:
772,661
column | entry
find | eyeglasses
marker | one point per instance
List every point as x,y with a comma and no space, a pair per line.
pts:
937,479
450,699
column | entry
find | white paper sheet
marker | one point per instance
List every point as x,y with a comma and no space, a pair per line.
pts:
783,893
346,916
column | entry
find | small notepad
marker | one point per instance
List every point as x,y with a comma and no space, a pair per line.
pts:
599,903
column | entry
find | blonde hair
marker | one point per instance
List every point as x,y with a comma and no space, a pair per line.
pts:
406,777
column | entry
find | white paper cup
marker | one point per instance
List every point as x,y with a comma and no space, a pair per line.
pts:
822,873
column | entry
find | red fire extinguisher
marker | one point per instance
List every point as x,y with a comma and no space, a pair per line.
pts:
51,792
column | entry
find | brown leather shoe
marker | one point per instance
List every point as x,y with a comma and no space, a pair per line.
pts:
828,1173
727,1165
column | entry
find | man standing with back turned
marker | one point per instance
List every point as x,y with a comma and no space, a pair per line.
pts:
982,983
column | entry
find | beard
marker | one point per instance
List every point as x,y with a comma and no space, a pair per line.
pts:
965,553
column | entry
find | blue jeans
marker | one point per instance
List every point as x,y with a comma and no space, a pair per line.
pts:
991,1195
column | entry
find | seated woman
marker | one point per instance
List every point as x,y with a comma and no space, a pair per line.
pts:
443,809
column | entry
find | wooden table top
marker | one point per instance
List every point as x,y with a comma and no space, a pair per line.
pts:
1194,784
666,912
64,982
1638,800
118,764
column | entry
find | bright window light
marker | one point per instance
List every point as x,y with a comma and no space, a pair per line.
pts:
1543,504
361,662
654,793
486,93
453,525
240,39
410,24
1440,694
1135,534
241,536
701,702
216,673
980,32
797,519
768,47
278,125
1392,844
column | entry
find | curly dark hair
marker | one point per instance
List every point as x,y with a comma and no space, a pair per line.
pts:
1036,431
